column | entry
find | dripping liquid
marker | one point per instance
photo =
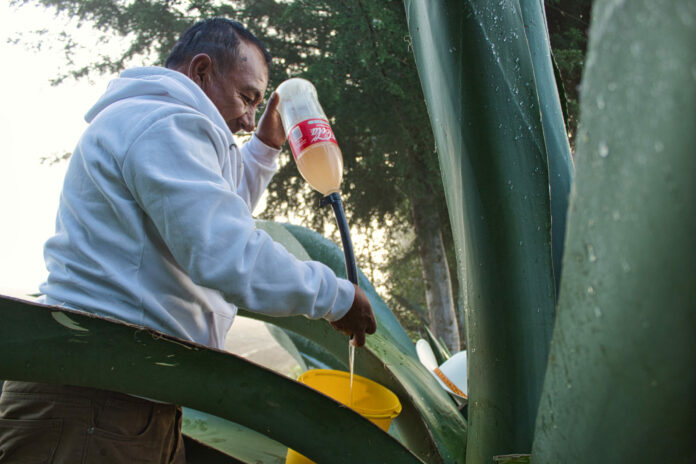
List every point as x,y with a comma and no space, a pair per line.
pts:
351,361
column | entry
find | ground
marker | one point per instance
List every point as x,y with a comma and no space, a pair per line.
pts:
251,340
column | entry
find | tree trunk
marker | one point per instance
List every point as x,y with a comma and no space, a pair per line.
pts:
436,274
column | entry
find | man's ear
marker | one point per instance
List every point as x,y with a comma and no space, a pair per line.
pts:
200,69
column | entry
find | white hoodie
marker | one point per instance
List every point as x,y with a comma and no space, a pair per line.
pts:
154,224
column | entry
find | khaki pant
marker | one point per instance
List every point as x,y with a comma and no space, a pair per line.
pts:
61,424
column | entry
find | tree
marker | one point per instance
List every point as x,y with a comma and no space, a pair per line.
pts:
568,23
357,54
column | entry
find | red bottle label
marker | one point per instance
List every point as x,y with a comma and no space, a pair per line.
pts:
309,132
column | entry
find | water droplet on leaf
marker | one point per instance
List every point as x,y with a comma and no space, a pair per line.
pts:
600,102
591,254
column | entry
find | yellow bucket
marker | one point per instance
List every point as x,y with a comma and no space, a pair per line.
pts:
370,399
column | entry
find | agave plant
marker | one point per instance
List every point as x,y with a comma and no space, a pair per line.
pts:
625,324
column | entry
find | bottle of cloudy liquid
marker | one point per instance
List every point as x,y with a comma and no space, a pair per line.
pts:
310,137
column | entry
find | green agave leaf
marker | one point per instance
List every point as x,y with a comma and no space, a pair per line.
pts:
512,459
51,344
478,77
621,379
553,125
279,234
439,348
562,95
233,439
430,424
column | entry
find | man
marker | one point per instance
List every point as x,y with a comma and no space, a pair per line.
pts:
154,228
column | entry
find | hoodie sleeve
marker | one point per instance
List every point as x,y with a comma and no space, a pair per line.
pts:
259,167
173,172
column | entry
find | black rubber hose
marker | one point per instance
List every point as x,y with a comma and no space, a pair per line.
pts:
334,199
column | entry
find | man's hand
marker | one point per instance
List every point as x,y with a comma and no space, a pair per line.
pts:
270,129
359,319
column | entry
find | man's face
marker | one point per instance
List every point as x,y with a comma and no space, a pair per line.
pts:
238,93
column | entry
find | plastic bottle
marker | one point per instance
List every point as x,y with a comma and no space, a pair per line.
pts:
309,134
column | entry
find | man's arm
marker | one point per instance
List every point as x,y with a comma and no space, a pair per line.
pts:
359,319
260,153
174,174
259,167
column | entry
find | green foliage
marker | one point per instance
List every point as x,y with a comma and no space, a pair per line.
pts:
232,439
152,28
621,378
568,22
403,279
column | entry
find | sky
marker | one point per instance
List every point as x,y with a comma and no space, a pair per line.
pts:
36,120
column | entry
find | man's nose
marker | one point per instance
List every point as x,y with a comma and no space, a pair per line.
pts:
248,120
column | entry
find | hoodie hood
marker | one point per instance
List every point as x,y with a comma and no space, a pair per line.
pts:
158,82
